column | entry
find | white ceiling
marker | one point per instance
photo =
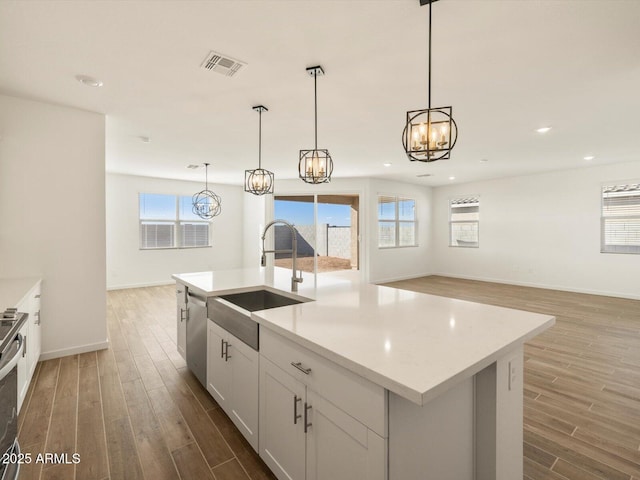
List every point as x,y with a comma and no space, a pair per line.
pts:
506,66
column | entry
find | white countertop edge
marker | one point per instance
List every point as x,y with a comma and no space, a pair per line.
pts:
415,396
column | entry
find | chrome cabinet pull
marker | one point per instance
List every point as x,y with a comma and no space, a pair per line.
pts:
221,348
296,416
37,322
183,311
299,366
226,352
307,424
24,342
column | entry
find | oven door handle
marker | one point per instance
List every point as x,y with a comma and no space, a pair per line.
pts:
4,371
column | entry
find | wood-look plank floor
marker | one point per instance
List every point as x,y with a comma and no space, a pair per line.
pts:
582,379
134,411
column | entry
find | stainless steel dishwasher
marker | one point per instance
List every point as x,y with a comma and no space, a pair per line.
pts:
197,336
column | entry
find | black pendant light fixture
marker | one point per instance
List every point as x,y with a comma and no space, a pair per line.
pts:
206,204
315,166
259,181
429,134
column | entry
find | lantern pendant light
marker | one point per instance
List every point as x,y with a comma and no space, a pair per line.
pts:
259,181
315,166
429,134
206,204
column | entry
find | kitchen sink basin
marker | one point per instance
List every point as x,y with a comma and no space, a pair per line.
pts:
238,322
259,300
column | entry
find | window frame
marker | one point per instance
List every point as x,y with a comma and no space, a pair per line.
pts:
397,222
452,222
617,249
176,223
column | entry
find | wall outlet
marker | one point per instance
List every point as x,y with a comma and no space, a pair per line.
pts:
513,371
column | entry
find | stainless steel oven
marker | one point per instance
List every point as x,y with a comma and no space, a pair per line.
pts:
12,346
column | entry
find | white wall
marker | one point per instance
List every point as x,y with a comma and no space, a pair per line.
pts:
388,264
378,265
52,217
540,230
128,266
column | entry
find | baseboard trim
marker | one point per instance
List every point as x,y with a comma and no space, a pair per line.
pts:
561,288
402,277
63,352
141,285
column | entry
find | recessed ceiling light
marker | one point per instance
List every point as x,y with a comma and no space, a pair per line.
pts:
589,157
483,160
89,81
193,167
543,129
386,164
452,178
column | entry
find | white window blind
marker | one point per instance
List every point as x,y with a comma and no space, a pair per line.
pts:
620,225
464,222
167,221
397,225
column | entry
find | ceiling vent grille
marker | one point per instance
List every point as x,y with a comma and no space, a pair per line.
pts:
223,64
425,174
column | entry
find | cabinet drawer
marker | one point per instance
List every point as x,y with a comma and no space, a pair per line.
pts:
360,398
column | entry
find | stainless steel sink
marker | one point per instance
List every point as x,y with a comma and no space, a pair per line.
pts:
259,300
233,312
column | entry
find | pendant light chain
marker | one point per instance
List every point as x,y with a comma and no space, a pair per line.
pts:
315,95
260,138
429,93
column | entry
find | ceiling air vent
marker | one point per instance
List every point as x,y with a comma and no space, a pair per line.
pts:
217,62
425,175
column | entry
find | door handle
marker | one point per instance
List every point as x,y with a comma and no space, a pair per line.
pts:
307,424
221,348
299,366
37,322
183,311
296,416
24,343
226,352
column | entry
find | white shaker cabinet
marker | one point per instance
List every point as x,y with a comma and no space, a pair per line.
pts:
32,340
313,436
232,379
181,319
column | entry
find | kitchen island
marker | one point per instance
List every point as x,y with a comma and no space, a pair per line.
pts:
366,381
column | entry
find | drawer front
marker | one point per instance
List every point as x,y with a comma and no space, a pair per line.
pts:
360,398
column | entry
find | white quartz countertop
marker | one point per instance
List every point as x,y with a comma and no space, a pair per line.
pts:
413,344
13,290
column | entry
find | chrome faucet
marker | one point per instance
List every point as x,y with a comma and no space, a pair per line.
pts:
295,280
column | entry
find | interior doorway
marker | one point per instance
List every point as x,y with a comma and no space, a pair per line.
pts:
328,227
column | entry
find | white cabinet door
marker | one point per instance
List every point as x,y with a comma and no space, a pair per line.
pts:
219,373
23,367
282,437
339,447
245,378
181,324
35,329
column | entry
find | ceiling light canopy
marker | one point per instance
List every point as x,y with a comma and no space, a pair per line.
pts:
589,157
429,134
543,129
315,166
206,204
259,181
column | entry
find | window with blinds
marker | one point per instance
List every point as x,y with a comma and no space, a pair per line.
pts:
397,225
620,225
464,222
167,221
